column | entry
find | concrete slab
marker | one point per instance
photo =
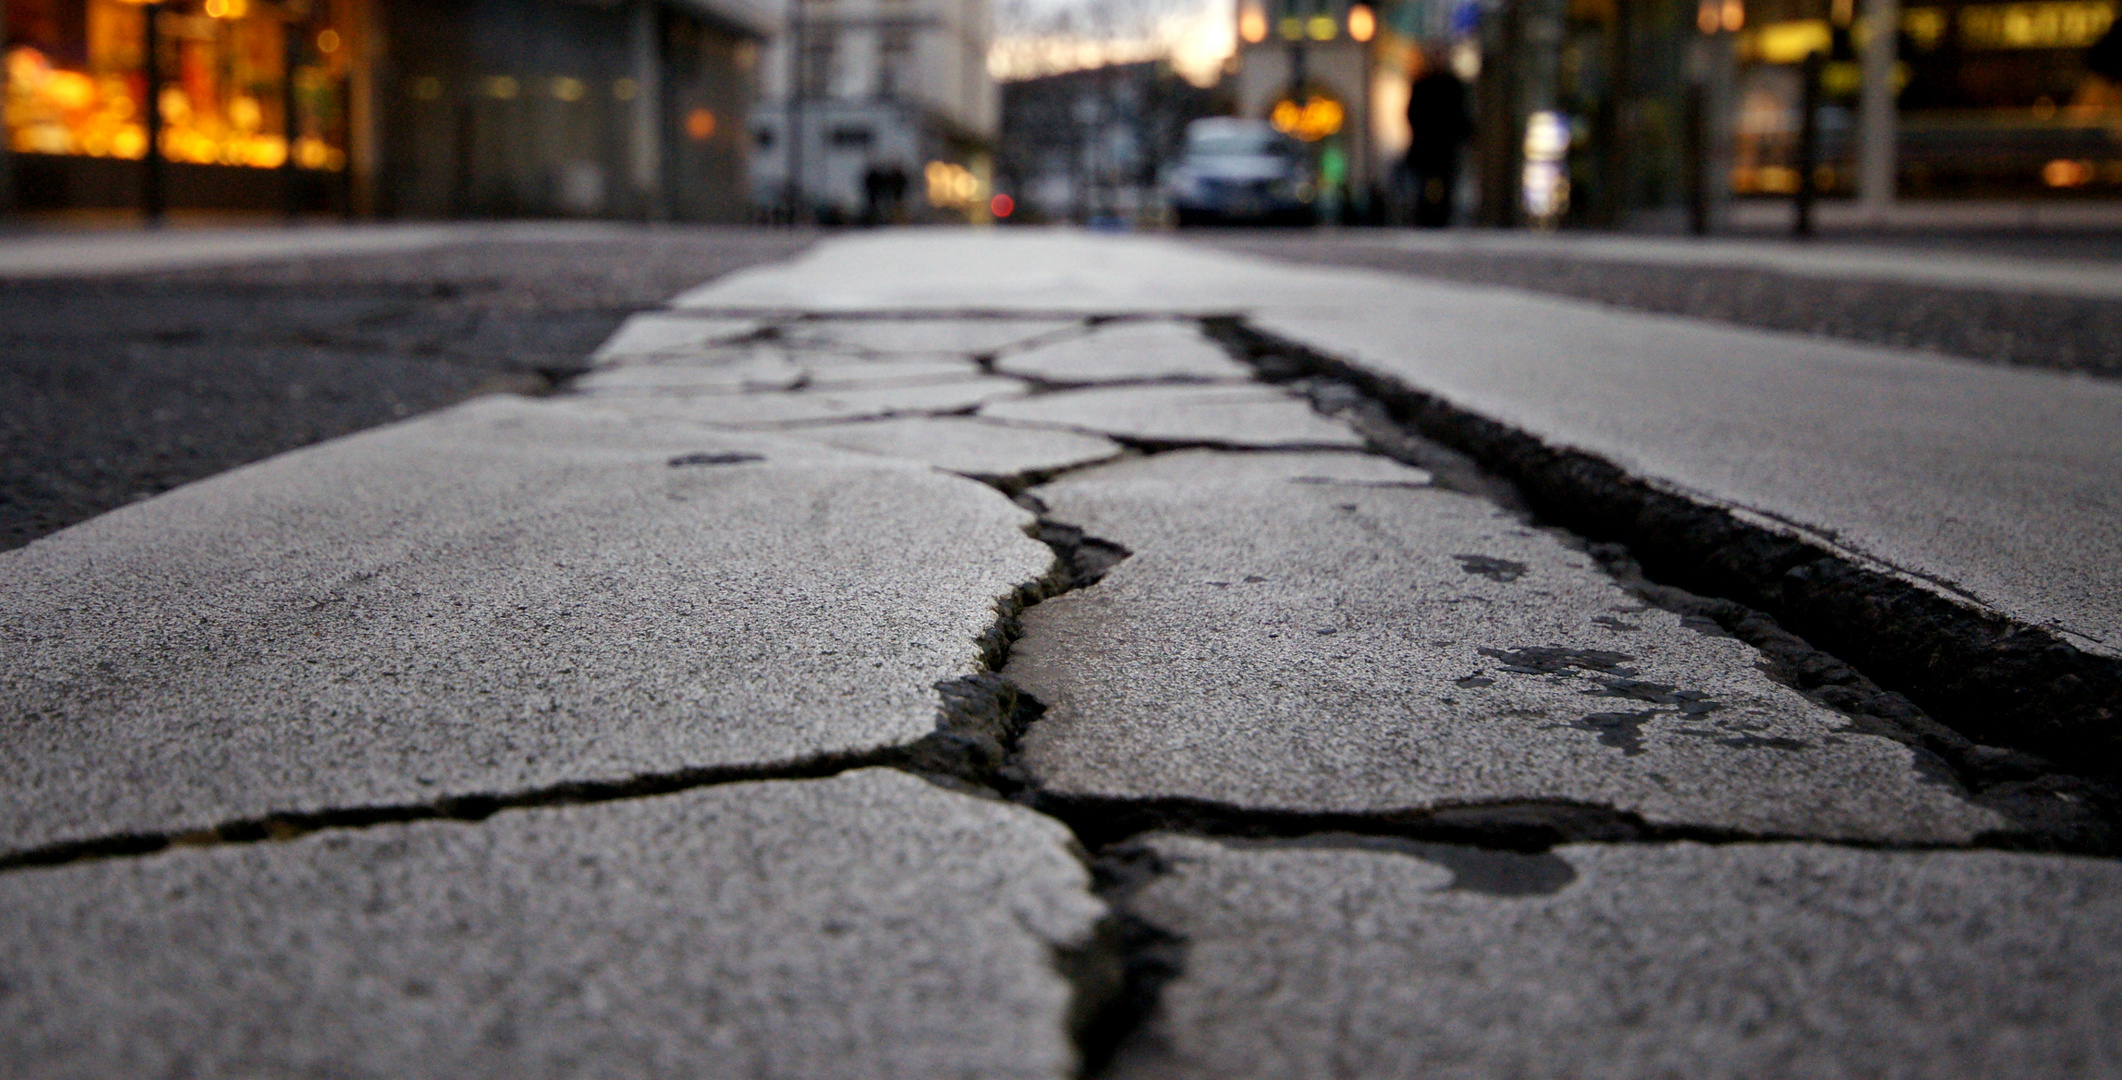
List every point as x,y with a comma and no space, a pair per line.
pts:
1285,639
968,447
1999,485
1131,351
654,334
1354,958
867,925
1242,416
2003,486
768,410
971,336
502,597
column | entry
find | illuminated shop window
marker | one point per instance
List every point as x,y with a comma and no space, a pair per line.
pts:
77,85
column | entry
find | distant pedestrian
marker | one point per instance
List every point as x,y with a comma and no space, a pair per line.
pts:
1437,119
884,194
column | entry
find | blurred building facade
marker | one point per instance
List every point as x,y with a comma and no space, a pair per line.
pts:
1090,146
877,108
1664,113
419,108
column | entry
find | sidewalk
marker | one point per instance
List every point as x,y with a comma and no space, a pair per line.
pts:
1033,654
1848,258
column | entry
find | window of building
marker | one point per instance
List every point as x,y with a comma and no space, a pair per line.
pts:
850,136
77,80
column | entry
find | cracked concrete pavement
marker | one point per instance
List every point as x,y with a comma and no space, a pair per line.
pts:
985,655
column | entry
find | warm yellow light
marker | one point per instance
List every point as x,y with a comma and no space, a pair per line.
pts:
567,89
1292,28
246,114
1252,25
2068,25
700,125
69,90
1707,17
328,41
2064,173
1791,42
1317,118
1362,22
1734,16
226,9
950,186
502,87
1322,27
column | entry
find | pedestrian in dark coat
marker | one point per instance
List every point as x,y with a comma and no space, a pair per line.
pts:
1436,115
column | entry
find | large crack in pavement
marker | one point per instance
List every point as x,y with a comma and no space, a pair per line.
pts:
1995,681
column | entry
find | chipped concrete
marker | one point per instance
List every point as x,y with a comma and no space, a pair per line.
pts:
1345,957
1292,634
764,410
505,596
862,926
1238,416
1128,351
969,447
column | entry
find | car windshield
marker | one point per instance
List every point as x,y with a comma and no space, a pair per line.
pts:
1235,144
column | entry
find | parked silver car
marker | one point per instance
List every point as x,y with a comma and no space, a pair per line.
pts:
1240,171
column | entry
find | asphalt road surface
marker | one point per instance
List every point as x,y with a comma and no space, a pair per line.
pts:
116,387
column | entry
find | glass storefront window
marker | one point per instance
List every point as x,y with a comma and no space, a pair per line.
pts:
77,84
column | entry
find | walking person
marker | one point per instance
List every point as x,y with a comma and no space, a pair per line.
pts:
1438,122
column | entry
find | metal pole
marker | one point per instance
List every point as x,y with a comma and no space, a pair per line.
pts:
1876,122
7,160
1808,140
291,30
1697,159
799,74
152,196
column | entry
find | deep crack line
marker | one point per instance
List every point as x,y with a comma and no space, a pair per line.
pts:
2026,693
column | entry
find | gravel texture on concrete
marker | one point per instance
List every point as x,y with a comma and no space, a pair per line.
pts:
1239,416
1128,351
506,597
730,369
2072,333
862,926
969,447
952,336
749,368
116,388
769,410
1301,633
1332,957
